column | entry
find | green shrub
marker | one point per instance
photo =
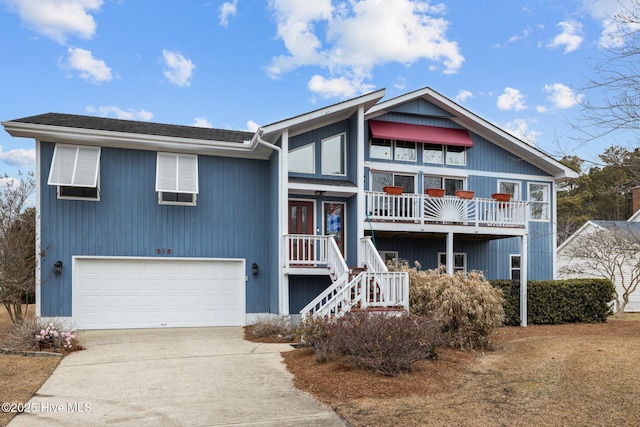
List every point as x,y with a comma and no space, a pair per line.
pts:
384,343
467,306
559,301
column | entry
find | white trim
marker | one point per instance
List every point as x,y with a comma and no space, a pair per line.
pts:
186,172
395,151
193,202
453,266
343,140
343,223
511,269
393,174
577,233
548,212
415,169
360,205
283,224
38,284
510,181
313,163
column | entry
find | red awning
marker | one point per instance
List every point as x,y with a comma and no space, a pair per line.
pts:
420,133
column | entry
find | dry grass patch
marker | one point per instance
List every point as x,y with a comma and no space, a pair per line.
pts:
544,375
20,376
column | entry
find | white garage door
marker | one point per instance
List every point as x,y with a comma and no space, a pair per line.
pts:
114,293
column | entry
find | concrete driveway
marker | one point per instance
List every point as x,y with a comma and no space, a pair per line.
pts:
174,377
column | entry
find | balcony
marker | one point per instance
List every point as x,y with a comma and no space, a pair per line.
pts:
421,209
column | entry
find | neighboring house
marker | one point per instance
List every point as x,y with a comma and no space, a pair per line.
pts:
571,266
151,225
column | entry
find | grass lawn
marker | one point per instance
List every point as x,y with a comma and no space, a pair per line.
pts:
20,376
542,375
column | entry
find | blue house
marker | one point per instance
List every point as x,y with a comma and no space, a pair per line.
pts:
144,225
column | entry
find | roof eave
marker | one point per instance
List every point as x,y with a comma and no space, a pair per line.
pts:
137,141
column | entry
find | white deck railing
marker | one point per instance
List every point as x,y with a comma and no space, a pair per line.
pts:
420,208
367,289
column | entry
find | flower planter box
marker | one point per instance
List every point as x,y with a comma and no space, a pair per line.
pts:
465,194
434,192
392,189
501,197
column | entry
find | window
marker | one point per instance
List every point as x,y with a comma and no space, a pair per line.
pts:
177,178
515,267
450,185
381,179
75,170
405,151
432,153
459,261
334,155
303,159
510,187
539,201
380,149
389,257
456,155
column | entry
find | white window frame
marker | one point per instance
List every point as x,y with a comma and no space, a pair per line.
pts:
415,151
384,142
393,256
192,202
343,143
512,268
463,153
546,204
517,190
75,166
426,148
393,178
176,173
442,255
312,146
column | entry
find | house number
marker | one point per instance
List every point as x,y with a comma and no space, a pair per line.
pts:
162,251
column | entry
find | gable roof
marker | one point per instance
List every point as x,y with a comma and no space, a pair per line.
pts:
632,227
91,130
481,127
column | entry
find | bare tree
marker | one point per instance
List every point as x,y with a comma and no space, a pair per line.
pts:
17,245
611,253
617,79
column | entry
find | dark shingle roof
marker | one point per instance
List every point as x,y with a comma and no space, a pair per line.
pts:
131,126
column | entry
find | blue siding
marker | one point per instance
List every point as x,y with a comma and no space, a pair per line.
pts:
303,289
234,218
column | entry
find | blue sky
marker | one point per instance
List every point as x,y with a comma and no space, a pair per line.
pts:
244,63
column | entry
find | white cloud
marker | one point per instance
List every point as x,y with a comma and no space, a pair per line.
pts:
511,99
226,10
119,113
352,38
604,10
201,122
58,19
252,126
463,95
337,87
570,37
19,157
562,96
541,109
90,68
520,129
179,69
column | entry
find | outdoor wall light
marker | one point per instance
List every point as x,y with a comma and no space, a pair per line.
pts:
57,267
254,269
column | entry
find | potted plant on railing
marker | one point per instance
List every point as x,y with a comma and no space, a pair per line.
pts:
392,189
434,192
465,194
501,197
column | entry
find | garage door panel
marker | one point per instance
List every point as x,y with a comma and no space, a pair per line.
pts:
143,293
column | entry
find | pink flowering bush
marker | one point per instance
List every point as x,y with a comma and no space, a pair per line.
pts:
50,335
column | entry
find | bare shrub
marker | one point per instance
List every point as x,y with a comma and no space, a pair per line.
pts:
467,305
274,327
386,344
30,333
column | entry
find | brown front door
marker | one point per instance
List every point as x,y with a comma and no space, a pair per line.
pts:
301,222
